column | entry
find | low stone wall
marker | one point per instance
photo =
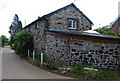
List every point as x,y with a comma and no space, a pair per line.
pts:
70,51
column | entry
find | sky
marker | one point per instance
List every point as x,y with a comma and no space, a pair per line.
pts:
100,12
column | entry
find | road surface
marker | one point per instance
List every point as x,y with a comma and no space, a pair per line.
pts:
14,67
0,64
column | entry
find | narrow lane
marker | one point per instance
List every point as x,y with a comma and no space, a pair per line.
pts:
0,64
14,67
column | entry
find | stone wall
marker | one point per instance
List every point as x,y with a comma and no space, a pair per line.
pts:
31,29
70,51
59,20
39,37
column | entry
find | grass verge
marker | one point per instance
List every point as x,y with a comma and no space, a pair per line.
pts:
76,71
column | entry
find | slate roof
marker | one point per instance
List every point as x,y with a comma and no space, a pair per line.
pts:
83,34
70,5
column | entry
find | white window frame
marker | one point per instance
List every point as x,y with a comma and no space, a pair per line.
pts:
73,24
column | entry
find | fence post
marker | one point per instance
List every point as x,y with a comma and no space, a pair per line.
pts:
41,58
33,55
28,53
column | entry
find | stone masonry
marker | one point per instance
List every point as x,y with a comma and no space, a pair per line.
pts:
70,51
59,20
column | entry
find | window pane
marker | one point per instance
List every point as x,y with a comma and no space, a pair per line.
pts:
119,30
74,24
69,23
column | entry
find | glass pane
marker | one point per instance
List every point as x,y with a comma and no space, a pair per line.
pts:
69,23
74,24
119,30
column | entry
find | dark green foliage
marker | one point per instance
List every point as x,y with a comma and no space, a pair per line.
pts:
11,42
110,73
77,70
91,74
3,40
15,26
22,42
105,31
37,56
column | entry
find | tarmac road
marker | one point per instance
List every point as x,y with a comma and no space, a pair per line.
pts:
0,64
13,67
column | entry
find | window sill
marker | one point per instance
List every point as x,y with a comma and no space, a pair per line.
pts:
72,28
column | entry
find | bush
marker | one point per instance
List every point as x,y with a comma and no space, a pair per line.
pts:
110,73
22,42
3,40
105,31
91,74
13,46
79,71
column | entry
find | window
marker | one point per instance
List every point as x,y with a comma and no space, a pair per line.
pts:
119,30
72,24
37,25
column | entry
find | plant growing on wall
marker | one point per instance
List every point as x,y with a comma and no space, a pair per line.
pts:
22,42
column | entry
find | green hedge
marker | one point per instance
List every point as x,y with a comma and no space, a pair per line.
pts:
21,42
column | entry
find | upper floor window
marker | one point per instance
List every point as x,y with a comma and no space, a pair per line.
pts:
37,25
72,24
119,30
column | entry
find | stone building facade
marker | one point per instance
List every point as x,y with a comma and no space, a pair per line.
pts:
60,34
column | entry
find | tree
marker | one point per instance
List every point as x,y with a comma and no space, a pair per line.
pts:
15,26
22,42
105,31
3,40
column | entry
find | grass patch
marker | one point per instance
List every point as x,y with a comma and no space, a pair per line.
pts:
110,73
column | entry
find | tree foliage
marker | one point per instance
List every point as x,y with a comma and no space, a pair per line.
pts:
3,40
22,42
16,25
105,31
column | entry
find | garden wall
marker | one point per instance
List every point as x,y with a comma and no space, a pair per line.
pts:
70,51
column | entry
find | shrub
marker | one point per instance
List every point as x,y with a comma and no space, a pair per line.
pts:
110,73
37,56
91,74
13,46
3,40
105,31
77,70
22,42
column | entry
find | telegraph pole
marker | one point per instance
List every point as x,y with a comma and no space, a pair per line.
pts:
25,22
74,1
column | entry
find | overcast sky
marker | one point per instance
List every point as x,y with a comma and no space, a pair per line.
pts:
100,12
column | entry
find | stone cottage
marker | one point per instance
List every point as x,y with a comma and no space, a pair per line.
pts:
60,34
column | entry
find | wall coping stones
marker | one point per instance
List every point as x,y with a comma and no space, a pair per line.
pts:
85,36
